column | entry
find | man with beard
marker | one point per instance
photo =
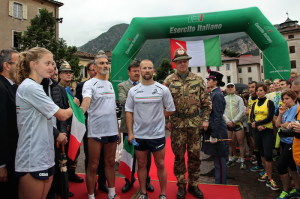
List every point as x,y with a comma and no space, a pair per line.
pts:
8,123
146,107
123,88
91,69
103,130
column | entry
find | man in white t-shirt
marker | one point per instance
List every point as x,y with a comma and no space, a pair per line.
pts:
146,107
103,130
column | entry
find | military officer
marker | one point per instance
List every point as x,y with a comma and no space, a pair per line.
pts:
190,95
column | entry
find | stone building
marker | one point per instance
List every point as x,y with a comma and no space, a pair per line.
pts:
290,29
16,15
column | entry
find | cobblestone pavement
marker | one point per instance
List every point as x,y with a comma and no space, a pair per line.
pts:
249,186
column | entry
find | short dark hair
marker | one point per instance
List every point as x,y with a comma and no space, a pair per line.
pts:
253,82
262,86
5,56
286,81
290,93
89,64
134,64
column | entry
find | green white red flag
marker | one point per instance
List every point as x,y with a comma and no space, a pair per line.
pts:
78,127
203,52
126,160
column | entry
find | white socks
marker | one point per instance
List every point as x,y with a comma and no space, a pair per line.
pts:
92,196
111,192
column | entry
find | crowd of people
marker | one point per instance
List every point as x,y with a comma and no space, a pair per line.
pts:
230,127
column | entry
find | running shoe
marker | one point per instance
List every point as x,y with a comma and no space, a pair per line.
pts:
143,196
162,196
254,162
243,166
263,178
272,184
294,193
230,163
115,197
262,173
283,195
256,168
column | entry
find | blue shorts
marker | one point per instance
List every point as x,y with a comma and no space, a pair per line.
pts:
40,175
107,139
152,145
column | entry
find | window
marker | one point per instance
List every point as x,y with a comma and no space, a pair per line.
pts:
240,70
250,79
262,69
217,68
293,64
190,69
249,69
240,80
228,79
16,39
198,69
17,10
292,49
227,66
290,36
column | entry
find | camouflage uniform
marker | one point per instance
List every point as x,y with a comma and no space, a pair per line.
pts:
189,96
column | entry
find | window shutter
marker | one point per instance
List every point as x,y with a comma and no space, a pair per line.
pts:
11,8
24,11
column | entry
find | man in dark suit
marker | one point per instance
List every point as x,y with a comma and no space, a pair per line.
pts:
101,171
123,88
8,123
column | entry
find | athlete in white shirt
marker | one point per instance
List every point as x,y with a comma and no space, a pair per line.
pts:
103,130
146,107
35,151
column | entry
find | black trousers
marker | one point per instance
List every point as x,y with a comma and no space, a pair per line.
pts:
10,187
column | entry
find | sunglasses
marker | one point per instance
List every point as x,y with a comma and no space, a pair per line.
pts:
230,86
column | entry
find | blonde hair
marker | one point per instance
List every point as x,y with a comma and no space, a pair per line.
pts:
23,67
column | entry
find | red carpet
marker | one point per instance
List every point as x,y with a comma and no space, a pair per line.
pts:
210,191
169,163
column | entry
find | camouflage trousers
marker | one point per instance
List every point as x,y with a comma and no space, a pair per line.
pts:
182,140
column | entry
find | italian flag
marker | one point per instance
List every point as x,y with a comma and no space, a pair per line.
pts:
78,127
126,160
203,52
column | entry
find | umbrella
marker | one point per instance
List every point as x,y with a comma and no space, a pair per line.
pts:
64,182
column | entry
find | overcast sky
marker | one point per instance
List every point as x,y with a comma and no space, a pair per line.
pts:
84,20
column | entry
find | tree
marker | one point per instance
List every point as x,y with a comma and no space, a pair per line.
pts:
163,70
230,53
41,32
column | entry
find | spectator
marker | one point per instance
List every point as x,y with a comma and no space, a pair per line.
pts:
233,116
261,118
8,122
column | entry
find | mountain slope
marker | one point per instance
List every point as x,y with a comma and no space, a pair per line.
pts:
158,49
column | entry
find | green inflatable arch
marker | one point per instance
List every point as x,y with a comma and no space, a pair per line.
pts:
276,59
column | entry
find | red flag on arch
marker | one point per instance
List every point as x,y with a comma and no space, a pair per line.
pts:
203,52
